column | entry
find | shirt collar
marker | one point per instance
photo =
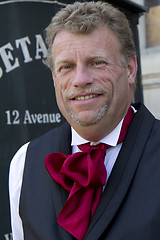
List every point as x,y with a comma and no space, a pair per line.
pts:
111,139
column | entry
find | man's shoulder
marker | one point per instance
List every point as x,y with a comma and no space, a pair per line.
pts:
147,123
52,140
143,112
53,134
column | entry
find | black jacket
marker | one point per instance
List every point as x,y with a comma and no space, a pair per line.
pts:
130,206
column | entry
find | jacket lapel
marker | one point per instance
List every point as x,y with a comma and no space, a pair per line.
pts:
60,196
122,173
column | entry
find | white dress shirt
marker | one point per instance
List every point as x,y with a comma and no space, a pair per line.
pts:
17,167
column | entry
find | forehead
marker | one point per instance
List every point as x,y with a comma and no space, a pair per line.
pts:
101,40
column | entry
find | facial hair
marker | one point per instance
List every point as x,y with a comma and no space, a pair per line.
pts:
101,113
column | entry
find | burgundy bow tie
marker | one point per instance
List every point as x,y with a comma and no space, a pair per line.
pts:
83,175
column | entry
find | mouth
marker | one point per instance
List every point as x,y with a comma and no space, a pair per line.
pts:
86,97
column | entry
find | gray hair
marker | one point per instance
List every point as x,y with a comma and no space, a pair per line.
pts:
84,17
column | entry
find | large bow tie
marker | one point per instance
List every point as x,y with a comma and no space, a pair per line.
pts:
83,175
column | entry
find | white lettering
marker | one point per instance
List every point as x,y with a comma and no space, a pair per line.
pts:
39,118
10,62
1,72
27,118
7,57
40,47
23,43
14,117
33,117
58,117
45,118
52,118
8,236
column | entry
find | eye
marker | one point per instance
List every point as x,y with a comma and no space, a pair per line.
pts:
98,63
65,67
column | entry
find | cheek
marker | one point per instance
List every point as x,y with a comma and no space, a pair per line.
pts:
59,85
122,89
118,78
107,79
61,89
59,99
117,84
62,83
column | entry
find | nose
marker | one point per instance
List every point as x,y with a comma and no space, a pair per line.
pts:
82,77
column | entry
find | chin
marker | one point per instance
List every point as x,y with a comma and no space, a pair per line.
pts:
85,122
89,119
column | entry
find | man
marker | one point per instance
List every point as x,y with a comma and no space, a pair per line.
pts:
93,61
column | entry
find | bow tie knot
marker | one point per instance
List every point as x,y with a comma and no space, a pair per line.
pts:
86,168
88,147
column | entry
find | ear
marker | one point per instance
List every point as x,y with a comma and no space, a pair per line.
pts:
132,70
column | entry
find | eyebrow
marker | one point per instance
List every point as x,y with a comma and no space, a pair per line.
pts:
66,60
100,55
61,60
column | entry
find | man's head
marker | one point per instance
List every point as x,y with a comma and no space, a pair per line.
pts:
92,58
84,18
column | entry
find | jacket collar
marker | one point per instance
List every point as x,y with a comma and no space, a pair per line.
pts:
122,173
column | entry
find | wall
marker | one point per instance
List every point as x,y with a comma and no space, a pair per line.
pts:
150,55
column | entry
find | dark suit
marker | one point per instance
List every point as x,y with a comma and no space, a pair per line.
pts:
130,206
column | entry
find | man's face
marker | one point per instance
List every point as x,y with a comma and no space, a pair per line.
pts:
92,88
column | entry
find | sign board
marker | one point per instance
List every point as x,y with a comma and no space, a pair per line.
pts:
27,101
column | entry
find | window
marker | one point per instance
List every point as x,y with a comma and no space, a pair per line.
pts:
153,23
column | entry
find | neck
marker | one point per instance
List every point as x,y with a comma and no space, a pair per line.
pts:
96,132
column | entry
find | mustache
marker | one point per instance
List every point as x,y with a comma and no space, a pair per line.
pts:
87,90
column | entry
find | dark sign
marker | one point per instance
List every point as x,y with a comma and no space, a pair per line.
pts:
27,100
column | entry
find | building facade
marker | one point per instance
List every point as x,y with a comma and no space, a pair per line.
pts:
149,34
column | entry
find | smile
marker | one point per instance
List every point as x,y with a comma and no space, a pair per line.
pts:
86,97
